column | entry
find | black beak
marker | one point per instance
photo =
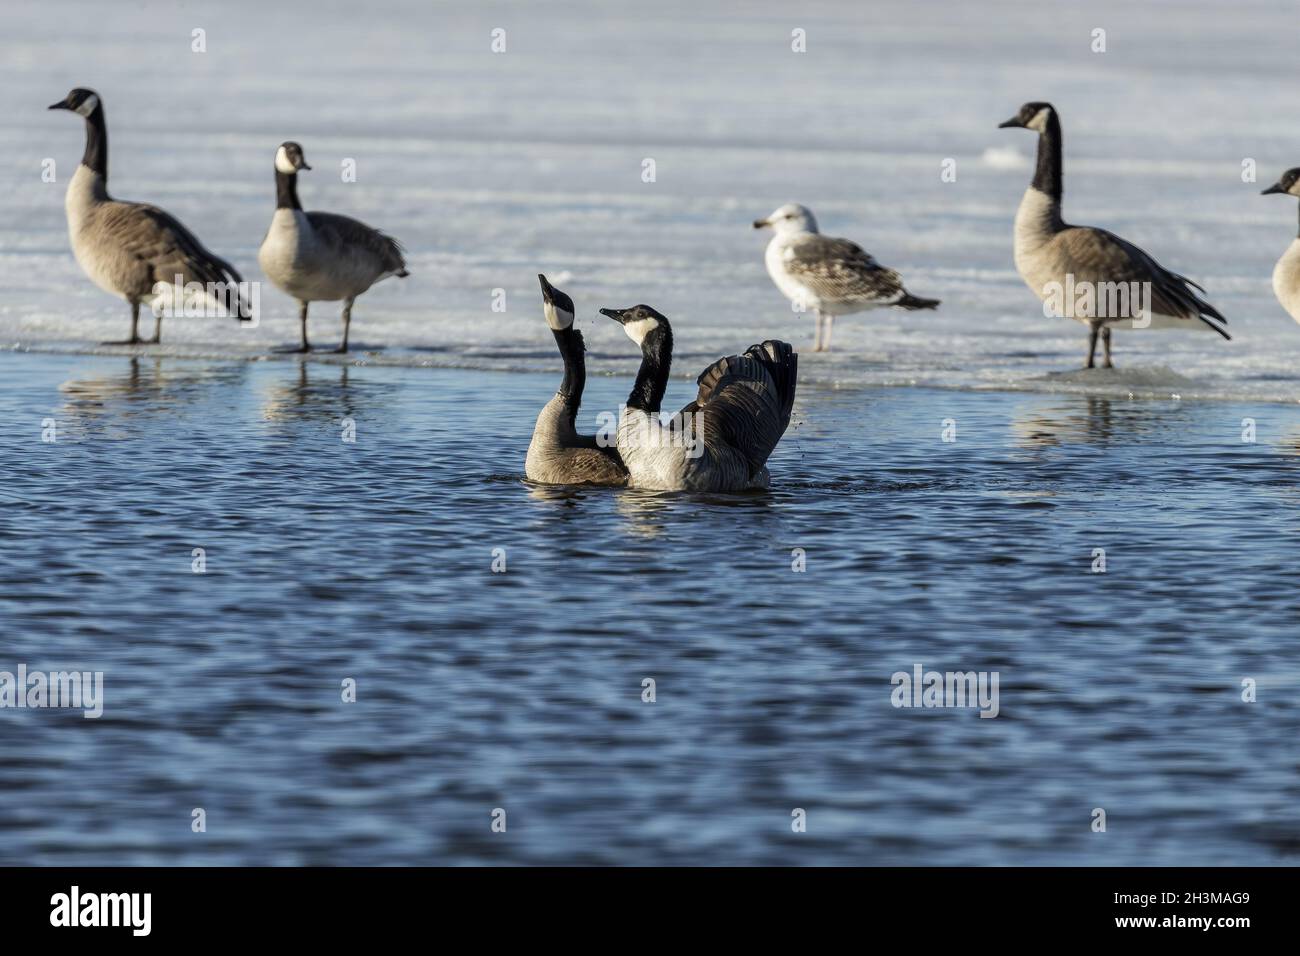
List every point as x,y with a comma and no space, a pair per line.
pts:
615,314
546,289
302,164
1275,188
1012,123
60,105
760,223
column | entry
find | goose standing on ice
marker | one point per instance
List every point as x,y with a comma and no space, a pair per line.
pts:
558,455
830,276
720,441
1052,255
321,256
130,248
1286,274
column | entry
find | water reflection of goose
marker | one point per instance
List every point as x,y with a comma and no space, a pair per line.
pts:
148,386
329,397
1041,427
1090,420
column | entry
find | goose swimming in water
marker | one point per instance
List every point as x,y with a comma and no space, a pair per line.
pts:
558,455
321,256
828,275
130,248
1108,272
722,440
1286,274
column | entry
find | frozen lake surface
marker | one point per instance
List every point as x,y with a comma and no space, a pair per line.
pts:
493,167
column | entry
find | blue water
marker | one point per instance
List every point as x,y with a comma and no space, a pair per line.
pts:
372,560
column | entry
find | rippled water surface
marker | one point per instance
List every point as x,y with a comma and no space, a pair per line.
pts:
522,690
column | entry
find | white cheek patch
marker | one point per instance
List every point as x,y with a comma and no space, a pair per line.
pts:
638,330
1294,190
557,319
1039,123
282,162
88,105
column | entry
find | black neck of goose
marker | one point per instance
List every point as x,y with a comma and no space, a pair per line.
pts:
1047,175
652,378
286,190
573,351
96,155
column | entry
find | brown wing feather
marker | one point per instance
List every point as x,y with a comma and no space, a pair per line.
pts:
1098,256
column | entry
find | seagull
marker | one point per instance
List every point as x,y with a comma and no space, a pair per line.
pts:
831,276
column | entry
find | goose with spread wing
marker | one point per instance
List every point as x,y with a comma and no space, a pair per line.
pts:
719,442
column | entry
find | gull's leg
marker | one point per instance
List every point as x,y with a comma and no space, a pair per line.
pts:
1105,341
826,336
347,322
817,335
1092,346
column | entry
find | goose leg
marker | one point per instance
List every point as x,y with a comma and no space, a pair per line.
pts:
1105,341
1092,346
347,322
135,328
302,318
817,335
157,329
826,336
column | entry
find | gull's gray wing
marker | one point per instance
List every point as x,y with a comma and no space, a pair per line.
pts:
837,270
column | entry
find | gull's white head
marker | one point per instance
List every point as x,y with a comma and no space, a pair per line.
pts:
557,306
289,159
789,218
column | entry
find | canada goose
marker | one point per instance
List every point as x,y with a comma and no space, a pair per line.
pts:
1286,274
1107,272
558,455
321,256
830,276
720,441
131,248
